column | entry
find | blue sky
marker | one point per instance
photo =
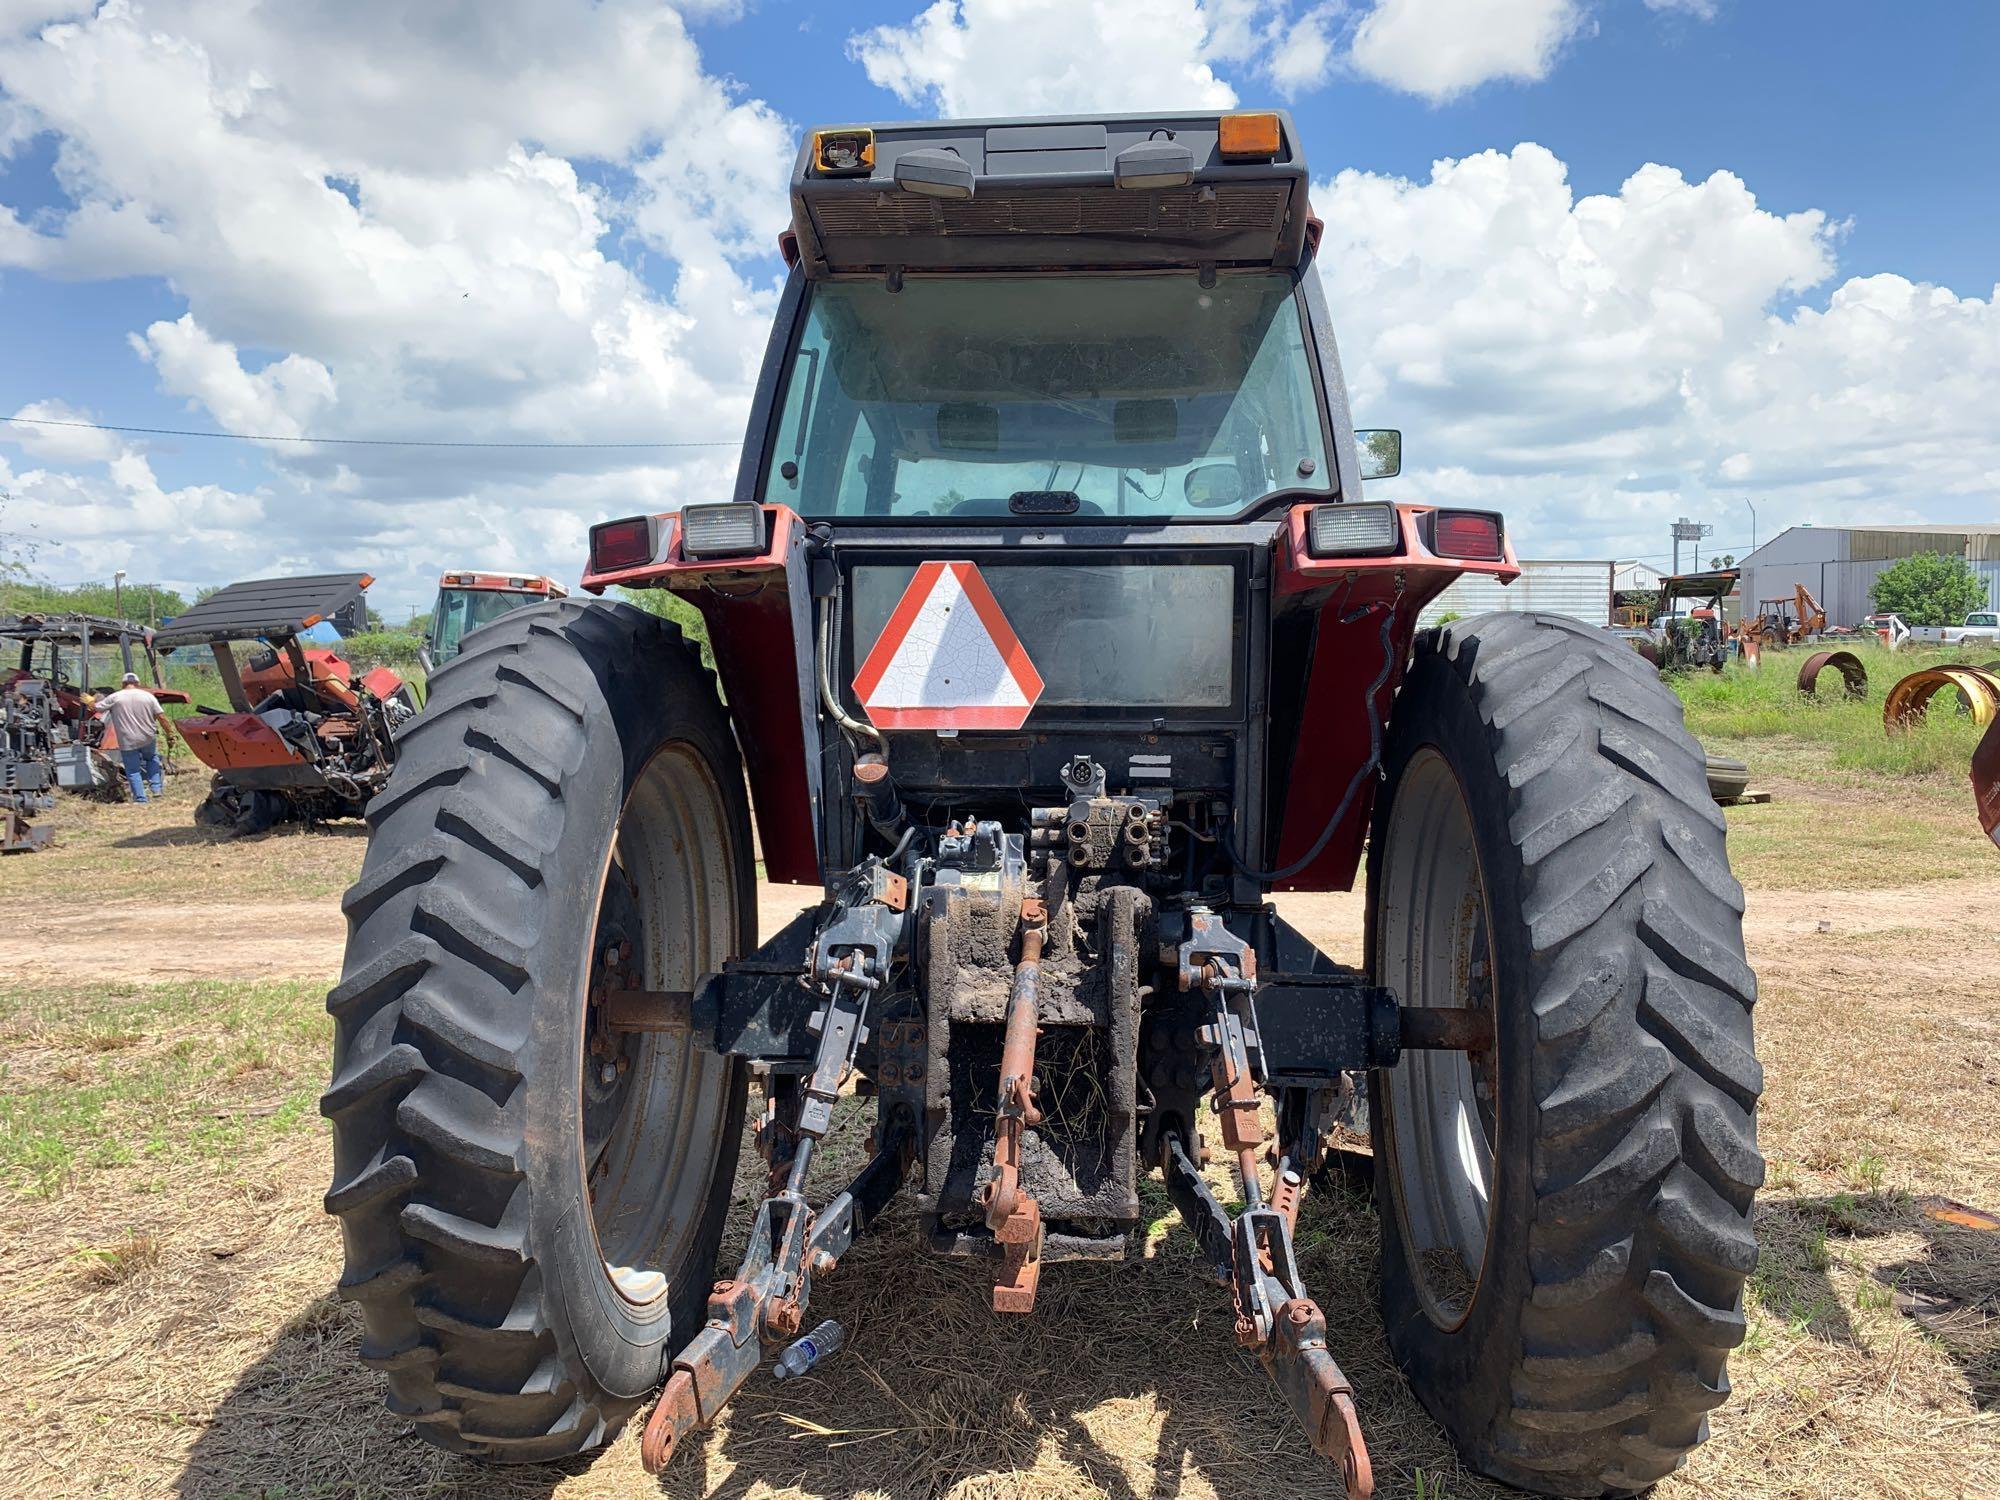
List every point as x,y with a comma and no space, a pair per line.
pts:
514,221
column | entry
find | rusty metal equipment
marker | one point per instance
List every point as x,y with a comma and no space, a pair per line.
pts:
64,663
304,739
27,766
1853,675
1696,635
1978,691
1986,780
1052,632
1786,621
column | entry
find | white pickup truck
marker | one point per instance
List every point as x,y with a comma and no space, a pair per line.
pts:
1982,625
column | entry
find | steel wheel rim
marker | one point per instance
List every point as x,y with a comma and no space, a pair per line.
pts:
652,1140
1441,1126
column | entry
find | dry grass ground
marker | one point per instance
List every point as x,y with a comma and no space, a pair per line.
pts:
167,1324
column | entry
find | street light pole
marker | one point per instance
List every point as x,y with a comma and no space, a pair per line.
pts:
118,591
1753,523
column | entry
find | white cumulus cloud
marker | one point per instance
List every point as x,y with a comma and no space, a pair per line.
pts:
501,220
1442,48
1597,364
1028,57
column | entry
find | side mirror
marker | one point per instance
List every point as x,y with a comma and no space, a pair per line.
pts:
1381,452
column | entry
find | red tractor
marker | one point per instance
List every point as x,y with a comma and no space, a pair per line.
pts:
304,739
1054,633
467,600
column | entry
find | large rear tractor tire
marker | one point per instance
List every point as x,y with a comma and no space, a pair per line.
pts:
1566,1216
530,1201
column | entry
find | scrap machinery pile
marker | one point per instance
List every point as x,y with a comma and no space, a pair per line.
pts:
52,735
304,739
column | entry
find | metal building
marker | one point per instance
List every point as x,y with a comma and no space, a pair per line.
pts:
1558,586
1839,564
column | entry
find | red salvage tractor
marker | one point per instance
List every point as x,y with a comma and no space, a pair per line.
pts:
303,739
467,600
1054,634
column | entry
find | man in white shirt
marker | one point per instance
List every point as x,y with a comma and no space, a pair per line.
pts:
133,715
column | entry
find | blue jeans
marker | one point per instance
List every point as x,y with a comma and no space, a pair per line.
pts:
142,766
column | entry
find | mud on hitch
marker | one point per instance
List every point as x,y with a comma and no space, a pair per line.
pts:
1034,1039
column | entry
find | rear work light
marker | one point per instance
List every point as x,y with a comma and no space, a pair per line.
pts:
1471,534
735,530
1353,531
843,153
615,545
1248,137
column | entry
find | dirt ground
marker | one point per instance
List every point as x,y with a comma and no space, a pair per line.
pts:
167,1324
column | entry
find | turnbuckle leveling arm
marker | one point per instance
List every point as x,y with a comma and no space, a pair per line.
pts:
1012,1214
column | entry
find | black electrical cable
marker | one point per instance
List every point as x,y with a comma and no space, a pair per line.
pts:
346,442
1368,768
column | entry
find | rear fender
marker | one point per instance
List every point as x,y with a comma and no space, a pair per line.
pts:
760,628
227,742
1316,755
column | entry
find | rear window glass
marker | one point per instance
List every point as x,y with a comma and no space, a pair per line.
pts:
1117,635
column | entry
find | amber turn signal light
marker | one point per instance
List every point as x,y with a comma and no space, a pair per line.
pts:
843,153
1248,137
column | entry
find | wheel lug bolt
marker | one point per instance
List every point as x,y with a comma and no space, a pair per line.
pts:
608,1073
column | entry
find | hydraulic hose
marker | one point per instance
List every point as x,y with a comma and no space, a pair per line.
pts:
839,715
1368,768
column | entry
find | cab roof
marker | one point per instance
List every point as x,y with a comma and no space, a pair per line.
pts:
273,608
1100,192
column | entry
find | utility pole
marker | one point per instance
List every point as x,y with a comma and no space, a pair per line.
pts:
118,591
1753,523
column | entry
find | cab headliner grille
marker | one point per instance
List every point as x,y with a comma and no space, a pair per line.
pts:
1219,207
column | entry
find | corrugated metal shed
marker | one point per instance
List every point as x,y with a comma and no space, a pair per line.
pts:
1840,564
1558,586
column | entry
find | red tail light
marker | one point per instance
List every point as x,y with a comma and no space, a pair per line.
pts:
1470,534
622,544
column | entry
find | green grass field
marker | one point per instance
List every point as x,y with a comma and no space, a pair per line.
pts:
160,1078
1742,704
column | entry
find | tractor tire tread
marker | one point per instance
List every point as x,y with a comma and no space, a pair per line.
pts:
1645,1076
429,1048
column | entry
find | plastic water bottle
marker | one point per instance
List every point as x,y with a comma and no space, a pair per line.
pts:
808,1351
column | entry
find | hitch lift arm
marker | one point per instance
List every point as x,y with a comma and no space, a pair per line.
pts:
853,951
1253,1252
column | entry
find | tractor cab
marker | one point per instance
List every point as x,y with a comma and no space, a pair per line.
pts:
1087,366
54,668
1692,627
467,600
